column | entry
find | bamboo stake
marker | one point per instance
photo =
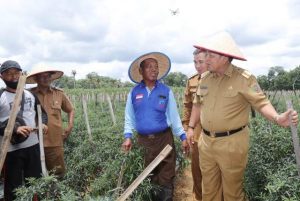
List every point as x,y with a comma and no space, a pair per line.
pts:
84,105
41,139
111,110
294,137
163,154
12,119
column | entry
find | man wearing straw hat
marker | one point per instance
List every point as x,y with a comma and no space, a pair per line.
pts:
23,156
54,100
189,94
223,102
151,111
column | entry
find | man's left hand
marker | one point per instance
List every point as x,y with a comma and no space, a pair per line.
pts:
185,147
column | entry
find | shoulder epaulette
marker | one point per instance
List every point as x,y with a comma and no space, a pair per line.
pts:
191,77
245,73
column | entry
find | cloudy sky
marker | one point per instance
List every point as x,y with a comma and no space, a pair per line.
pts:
105,36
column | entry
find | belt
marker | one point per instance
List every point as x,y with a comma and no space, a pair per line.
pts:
222,134
151,136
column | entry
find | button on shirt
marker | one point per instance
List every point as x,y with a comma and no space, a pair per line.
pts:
171,112
189,95
53,102
225,101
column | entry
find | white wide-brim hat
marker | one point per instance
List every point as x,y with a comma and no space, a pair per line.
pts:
222,43
55,74
164,66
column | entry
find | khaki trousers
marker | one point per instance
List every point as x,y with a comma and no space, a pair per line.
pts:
196,173
223,161
54,157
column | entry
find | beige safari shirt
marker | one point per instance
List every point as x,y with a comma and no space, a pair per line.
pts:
226,100
54,102
189,95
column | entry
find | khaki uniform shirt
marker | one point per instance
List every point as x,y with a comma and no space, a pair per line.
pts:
53,102
189,95
225,101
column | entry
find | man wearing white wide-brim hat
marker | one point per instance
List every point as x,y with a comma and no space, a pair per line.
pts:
54,100
223,102
151,111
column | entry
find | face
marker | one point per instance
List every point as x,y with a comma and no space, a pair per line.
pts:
11,75
215,62
149,70
200,63
43,79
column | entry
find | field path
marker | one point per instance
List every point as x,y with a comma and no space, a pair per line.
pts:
184,186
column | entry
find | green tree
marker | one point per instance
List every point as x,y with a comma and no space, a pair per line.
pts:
176,79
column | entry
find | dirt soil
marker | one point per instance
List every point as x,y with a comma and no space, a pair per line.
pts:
184,186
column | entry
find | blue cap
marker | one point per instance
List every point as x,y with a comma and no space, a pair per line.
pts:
9,64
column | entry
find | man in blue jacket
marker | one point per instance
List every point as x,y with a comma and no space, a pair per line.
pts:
151,111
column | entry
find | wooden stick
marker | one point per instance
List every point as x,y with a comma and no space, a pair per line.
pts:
41,139
84,105
111,110
12,119
163,154
294,137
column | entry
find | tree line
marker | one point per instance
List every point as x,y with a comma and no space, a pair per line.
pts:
276,79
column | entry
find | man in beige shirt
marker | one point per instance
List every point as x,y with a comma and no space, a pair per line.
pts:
189,94
223,103
54,100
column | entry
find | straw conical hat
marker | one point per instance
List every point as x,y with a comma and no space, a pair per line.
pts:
222,43
164,65
38,69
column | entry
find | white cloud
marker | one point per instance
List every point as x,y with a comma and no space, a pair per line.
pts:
106,36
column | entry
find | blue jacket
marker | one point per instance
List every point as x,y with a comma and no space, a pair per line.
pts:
153,111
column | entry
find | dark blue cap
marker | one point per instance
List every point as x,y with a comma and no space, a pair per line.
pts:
9,64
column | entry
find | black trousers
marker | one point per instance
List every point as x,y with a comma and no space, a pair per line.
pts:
20,164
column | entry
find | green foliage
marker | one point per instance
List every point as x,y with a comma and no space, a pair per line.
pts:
279,79
92,81
94,168
175,79
47,189
271,173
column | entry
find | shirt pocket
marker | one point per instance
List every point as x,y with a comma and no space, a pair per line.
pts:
203,95
161,103
55,109
230,99
230,94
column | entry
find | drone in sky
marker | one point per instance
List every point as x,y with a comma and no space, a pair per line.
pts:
174,12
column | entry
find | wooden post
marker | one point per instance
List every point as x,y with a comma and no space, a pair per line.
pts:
294,137
84,105
41,139
163,154
12,119
111,110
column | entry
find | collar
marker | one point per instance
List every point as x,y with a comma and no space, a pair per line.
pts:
142,84
229,70
37,89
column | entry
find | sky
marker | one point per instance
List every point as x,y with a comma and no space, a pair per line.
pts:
105,36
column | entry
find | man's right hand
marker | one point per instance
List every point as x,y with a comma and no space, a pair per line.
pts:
24,130
126,146
190,136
